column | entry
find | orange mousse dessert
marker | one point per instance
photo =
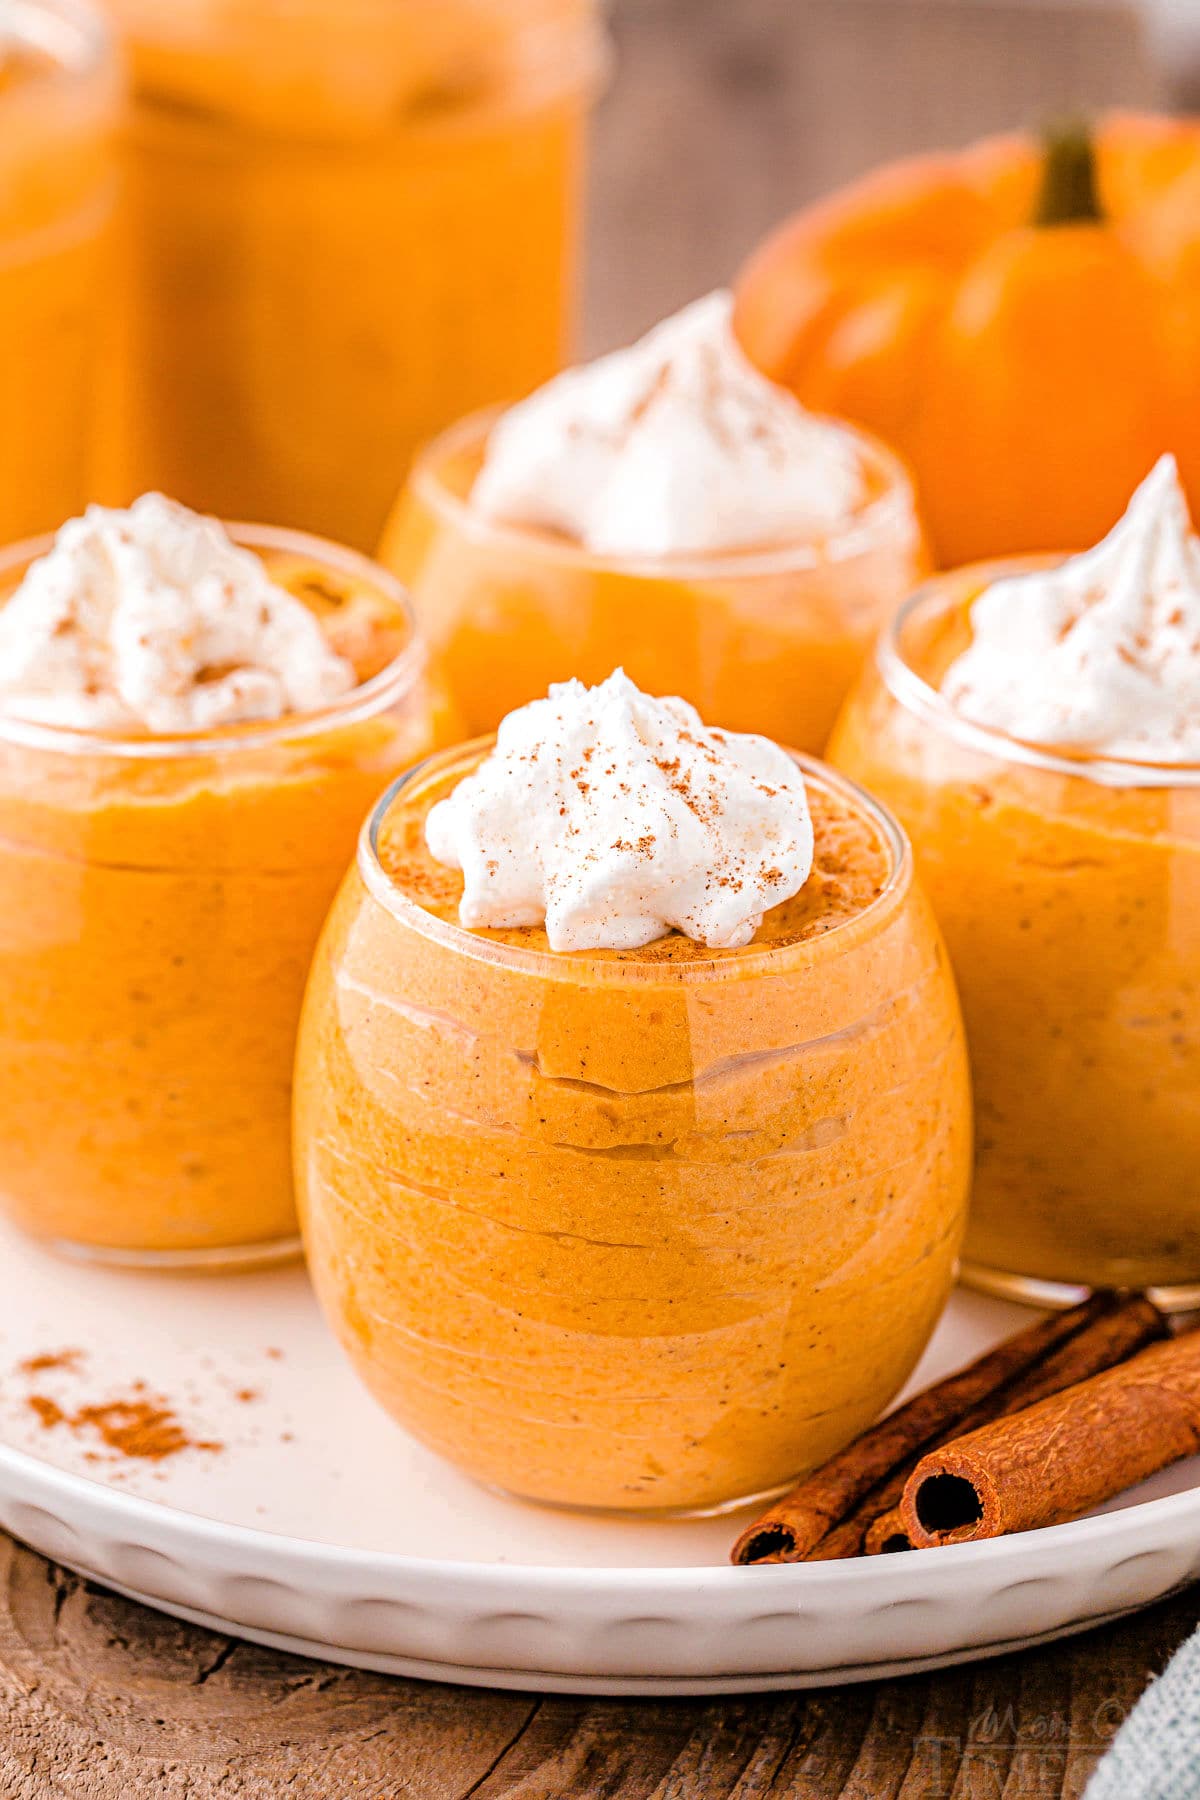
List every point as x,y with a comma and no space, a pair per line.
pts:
1037,728
191,730
632,1112
670,509
58,107
349,221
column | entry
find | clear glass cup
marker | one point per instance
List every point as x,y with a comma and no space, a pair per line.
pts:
59,105
764,640
621,1232
160,898
348,221
1068,890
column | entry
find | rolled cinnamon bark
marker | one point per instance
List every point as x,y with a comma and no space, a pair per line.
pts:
1131,1325
1110,1339
1063,1456
850,1536
794,1526
887,1535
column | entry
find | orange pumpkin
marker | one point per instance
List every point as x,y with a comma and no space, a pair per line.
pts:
1021,321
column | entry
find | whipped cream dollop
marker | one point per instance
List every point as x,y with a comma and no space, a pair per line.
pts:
153,619
676,445
1102,652
613,818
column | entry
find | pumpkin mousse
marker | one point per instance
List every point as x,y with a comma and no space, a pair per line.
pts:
59,111
632,1117
669,508
1036,726
346,222
191,730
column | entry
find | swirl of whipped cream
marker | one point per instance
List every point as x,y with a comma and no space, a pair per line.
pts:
1102,652
676,445
613,818
153,619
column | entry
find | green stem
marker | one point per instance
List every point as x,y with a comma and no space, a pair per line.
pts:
1068,194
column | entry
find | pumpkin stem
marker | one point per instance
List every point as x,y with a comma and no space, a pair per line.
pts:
1068,194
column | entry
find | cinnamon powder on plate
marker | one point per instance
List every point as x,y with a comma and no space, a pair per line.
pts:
50,1359
137,1428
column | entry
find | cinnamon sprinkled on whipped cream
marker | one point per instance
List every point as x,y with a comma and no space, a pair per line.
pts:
676,445
613,818
152,619
1101,653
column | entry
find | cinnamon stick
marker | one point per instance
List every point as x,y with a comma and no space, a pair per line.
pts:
794,1526
886,1535
1063,1456
1110,1339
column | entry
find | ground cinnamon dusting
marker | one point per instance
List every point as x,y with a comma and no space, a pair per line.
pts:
49,1412
850,870
50,1359
141,1429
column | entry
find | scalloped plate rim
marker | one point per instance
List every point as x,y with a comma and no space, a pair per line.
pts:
309,1550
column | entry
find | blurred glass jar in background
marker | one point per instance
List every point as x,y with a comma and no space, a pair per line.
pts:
59,99
349,222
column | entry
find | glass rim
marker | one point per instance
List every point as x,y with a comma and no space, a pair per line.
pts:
579,20
721,965
564,56
943,592
897,496
368,698
75,34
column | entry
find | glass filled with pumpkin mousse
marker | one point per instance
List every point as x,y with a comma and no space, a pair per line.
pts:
670,509
193,723
347,223
632,1110
1036,726
59,103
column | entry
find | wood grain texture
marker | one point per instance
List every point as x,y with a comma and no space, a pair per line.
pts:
725,115
103,1700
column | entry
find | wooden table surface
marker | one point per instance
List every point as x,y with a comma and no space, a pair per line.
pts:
723,117
103,1700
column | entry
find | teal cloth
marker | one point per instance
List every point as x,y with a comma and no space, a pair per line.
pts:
1156,1753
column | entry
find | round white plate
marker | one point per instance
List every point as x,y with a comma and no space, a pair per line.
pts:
321,1528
